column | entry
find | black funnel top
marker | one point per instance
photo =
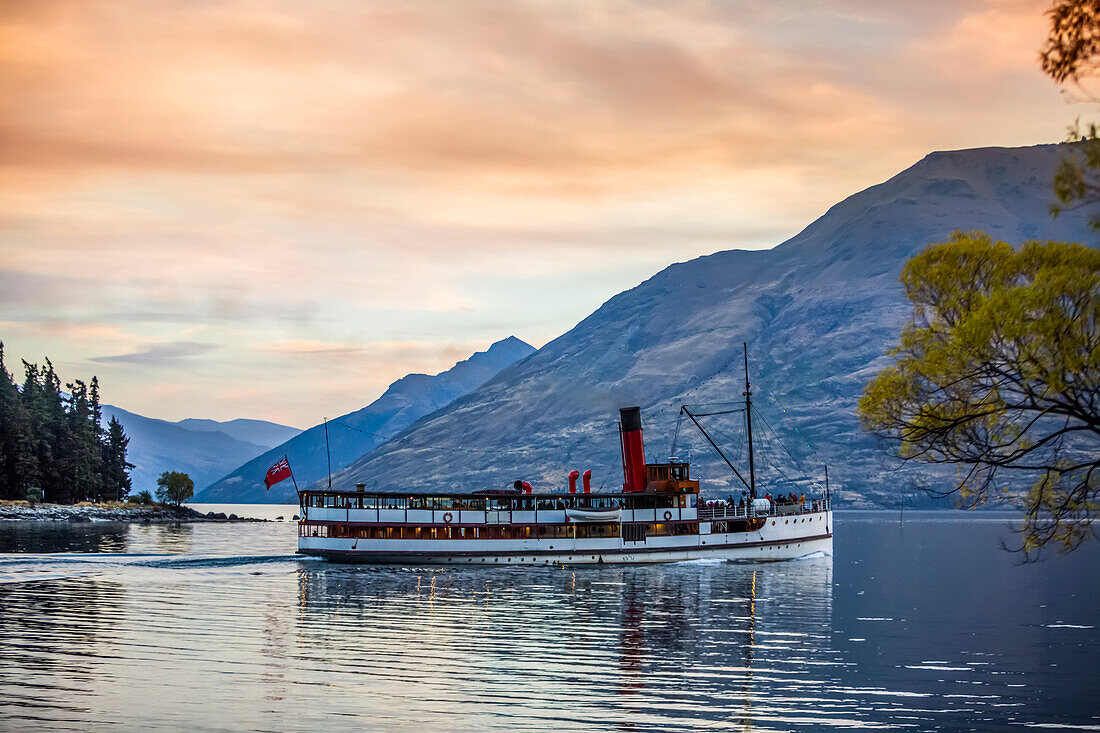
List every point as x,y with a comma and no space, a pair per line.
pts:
631,418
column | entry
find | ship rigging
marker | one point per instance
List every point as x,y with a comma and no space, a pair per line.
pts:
656,517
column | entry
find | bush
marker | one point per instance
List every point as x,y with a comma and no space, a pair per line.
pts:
142,497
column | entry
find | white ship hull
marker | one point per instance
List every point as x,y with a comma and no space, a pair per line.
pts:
781,538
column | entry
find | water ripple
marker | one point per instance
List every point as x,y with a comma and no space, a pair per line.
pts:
220,627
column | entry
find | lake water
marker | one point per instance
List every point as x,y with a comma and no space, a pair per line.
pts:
921,625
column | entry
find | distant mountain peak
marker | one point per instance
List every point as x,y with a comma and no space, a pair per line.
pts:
511,342
511,346
355,433
819,313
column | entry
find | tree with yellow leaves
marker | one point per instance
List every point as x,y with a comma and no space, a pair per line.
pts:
1069,57
999,373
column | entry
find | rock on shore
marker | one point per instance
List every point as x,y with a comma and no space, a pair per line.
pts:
90,513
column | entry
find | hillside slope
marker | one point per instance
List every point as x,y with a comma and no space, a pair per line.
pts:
818,312
356,433
158,445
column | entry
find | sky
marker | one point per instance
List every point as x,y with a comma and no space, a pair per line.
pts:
273,209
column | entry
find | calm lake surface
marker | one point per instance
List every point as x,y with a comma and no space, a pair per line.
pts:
921,625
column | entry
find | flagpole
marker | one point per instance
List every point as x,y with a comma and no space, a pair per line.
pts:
291,473
328,456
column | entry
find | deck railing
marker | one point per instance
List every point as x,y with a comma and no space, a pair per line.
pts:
722,512
734,511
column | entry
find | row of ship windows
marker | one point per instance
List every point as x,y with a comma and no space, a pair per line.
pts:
497,503
496,532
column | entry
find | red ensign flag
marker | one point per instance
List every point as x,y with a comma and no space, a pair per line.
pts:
277,473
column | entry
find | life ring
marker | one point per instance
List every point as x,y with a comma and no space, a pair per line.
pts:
447,517
668,515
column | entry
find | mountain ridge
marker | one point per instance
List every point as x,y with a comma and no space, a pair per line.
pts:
160,445
819,312
357,432
260,432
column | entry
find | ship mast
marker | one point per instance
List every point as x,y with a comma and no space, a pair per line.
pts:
748,423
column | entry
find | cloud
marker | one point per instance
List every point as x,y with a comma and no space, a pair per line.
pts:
984,42
159,354
565,96
316,187
379,359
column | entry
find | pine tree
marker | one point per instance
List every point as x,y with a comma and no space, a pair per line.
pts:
57,485
97,411
34,449
83,469
116,470
52,446
9,432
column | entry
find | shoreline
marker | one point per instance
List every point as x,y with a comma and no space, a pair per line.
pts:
146,514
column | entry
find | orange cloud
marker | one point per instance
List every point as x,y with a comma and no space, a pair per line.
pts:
353,173
558,95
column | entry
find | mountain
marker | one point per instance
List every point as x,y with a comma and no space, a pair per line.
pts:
260,432
356,433
157,446
818,312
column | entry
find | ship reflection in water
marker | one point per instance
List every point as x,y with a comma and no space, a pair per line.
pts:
221,627
634,647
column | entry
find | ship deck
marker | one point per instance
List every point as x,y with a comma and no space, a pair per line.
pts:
537,528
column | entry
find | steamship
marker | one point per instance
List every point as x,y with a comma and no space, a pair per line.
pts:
657,517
